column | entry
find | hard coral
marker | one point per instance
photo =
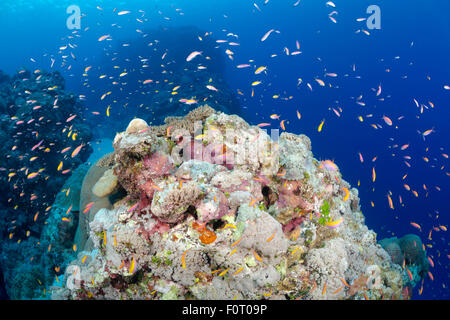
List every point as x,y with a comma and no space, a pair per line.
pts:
170,204
211,230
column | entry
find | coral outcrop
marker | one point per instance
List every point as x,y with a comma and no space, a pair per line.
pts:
221,210
409,252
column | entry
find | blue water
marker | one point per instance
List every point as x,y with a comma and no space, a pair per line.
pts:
412,43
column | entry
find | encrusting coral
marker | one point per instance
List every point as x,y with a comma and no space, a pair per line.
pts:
226,212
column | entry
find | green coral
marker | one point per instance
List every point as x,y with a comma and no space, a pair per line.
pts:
156,260
325,213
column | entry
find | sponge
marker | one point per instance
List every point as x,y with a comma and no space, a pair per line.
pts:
92,177
106,184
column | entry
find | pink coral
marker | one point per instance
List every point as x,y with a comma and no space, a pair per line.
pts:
292,224
155,165
290,196
211,209
151,227
209,153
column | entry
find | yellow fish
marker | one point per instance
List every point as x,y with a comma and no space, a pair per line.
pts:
321,125
239,270
229,226
200,137
223,272
260,69
132,265
271,237
183,259
347,193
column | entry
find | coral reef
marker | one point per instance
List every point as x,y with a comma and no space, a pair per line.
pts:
33,264
226,212
409,252
44,141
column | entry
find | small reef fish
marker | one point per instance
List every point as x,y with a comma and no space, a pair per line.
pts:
183,259
319,129
271,237
76,151
192,55
391,204
212,88
260,70
387,120
329,165
239,270
415,225
267,34
32,175
334,224
257,256
347,193
132,266
104,37
320,82
88,207
132,207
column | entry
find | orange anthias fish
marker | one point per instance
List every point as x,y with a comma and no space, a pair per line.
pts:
76,151
415,225
391,205
387,120
183,259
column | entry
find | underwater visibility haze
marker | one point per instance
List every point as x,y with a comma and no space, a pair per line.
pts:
234,149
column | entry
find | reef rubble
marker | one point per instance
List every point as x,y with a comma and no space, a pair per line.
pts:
208,206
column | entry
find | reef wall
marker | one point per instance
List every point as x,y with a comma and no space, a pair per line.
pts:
44,139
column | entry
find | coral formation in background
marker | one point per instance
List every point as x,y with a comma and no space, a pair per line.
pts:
409,252
174,86
210,207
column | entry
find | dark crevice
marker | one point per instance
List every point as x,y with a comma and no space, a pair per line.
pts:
217,224
118,195
269,196
192,211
